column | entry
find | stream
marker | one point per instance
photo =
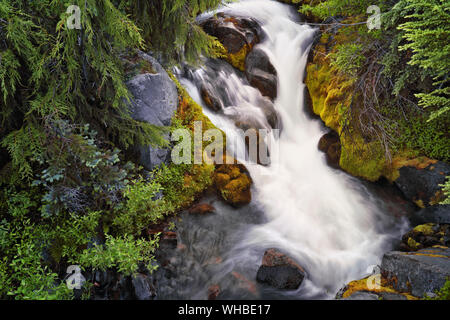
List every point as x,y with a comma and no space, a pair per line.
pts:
334,225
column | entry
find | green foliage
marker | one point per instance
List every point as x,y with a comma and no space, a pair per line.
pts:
427,138
446,190
169,27
123,253
443,293
427,35
348,58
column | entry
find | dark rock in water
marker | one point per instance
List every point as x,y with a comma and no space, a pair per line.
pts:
417,272
331,145
210,97
233,32
433,214
155,101
280,271
143,288
422,185
261,74
426,235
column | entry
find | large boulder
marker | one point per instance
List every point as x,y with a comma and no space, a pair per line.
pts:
261,74
422,185
280,271
155,101
433,214
421,272
238,35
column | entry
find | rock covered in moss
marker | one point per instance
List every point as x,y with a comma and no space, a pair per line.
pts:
233,184
238,35
421,272
422,185
280,271
426,235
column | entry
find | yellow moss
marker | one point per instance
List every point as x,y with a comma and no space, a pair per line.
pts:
426,229
237,60
361,285
413,244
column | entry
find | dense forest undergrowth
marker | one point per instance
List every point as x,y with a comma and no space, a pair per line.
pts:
70,190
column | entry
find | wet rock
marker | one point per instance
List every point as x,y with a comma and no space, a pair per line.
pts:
280,271
143,288
202,208
426,235
422,185
331,145
433,214
417,272
237,34
261,74
213,292
155,101
210,97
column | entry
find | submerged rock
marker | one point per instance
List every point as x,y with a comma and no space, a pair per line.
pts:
201,208
143,288
280,271
422,185
418,272
155,101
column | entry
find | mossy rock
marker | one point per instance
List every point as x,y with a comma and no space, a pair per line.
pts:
233,183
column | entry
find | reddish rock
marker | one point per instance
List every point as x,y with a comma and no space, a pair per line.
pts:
202,208
280,271
244,283
213,292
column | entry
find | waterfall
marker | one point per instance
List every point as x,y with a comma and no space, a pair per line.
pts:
323,218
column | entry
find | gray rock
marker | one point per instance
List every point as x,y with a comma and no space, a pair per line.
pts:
361,295
434,214
418,272
143,288
155,101
422,184
392,296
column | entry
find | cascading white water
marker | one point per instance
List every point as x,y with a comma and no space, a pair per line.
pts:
322,217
